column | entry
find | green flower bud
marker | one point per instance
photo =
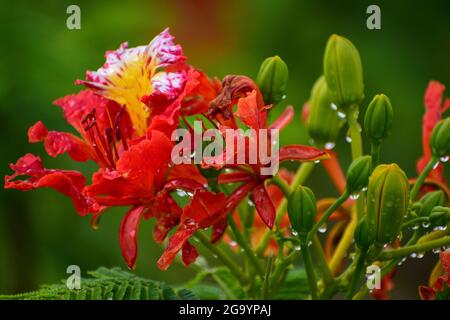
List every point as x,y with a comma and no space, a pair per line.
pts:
431,200
388,197
378,118
440,217
343,72
362,239
358,174
272,79
323,123
440,138
302,210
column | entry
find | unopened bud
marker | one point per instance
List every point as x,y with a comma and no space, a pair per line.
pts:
378,118
272,80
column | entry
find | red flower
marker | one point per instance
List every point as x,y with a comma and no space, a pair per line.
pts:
252,112
434,108
440,290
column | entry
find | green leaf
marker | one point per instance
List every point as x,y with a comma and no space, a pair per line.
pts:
108,284
295,287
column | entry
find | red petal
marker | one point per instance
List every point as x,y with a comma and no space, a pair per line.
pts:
264,205
128,235
235,177
444,256
427,293
187,171
302,153
284,119
38,132
176,243
218,230
189,254
69,183
136,170
249,112
167,214
197,101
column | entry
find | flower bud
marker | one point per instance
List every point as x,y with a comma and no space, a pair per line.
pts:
362,239
272,79
388,197
343,72
431,200
358,174
440,138
302,210
378,118
440,217
323,123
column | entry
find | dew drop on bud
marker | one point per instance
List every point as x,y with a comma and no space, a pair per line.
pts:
426,224
348,138
415,227
329,145
323,228
297,248
354,196
341,115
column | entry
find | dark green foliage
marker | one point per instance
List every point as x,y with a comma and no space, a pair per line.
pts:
108,284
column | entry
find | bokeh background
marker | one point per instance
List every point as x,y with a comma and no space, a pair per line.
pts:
40,233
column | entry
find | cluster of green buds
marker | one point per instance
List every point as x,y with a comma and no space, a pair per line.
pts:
387,203
272,80
432,205
323,123
343,73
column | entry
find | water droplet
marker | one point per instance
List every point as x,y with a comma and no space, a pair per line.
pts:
413,255
283,97
309,244
354,196
420,255
294,233
233,243
329,145
333,107
297,248
425,224
341,115
436,250
415,227
444,159
348,138
323,228
317,161
250,203
436,165
364,189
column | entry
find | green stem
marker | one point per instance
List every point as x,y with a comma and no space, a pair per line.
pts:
309,268
324,218
223,257
415,221
284,187
266,283
322,264
420,180
302,174
246,246
355,134
421,247
282,265
356,277
375,153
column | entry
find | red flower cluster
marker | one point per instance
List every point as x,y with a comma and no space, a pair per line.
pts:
125,120
440,289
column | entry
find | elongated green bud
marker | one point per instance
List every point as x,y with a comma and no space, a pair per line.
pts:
440,138
272,80
362,238
343,72
302,210
323,123
388,197
358,174
378,118
431,200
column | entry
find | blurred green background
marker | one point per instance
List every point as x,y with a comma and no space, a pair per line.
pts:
40,233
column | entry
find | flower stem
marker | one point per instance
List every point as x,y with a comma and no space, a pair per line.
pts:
309,268
355,134
246,246
266,278
302,174
421,247
356,277
223,257
321,261
339,201
421,178
343,245
376,154
415,221
284,187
